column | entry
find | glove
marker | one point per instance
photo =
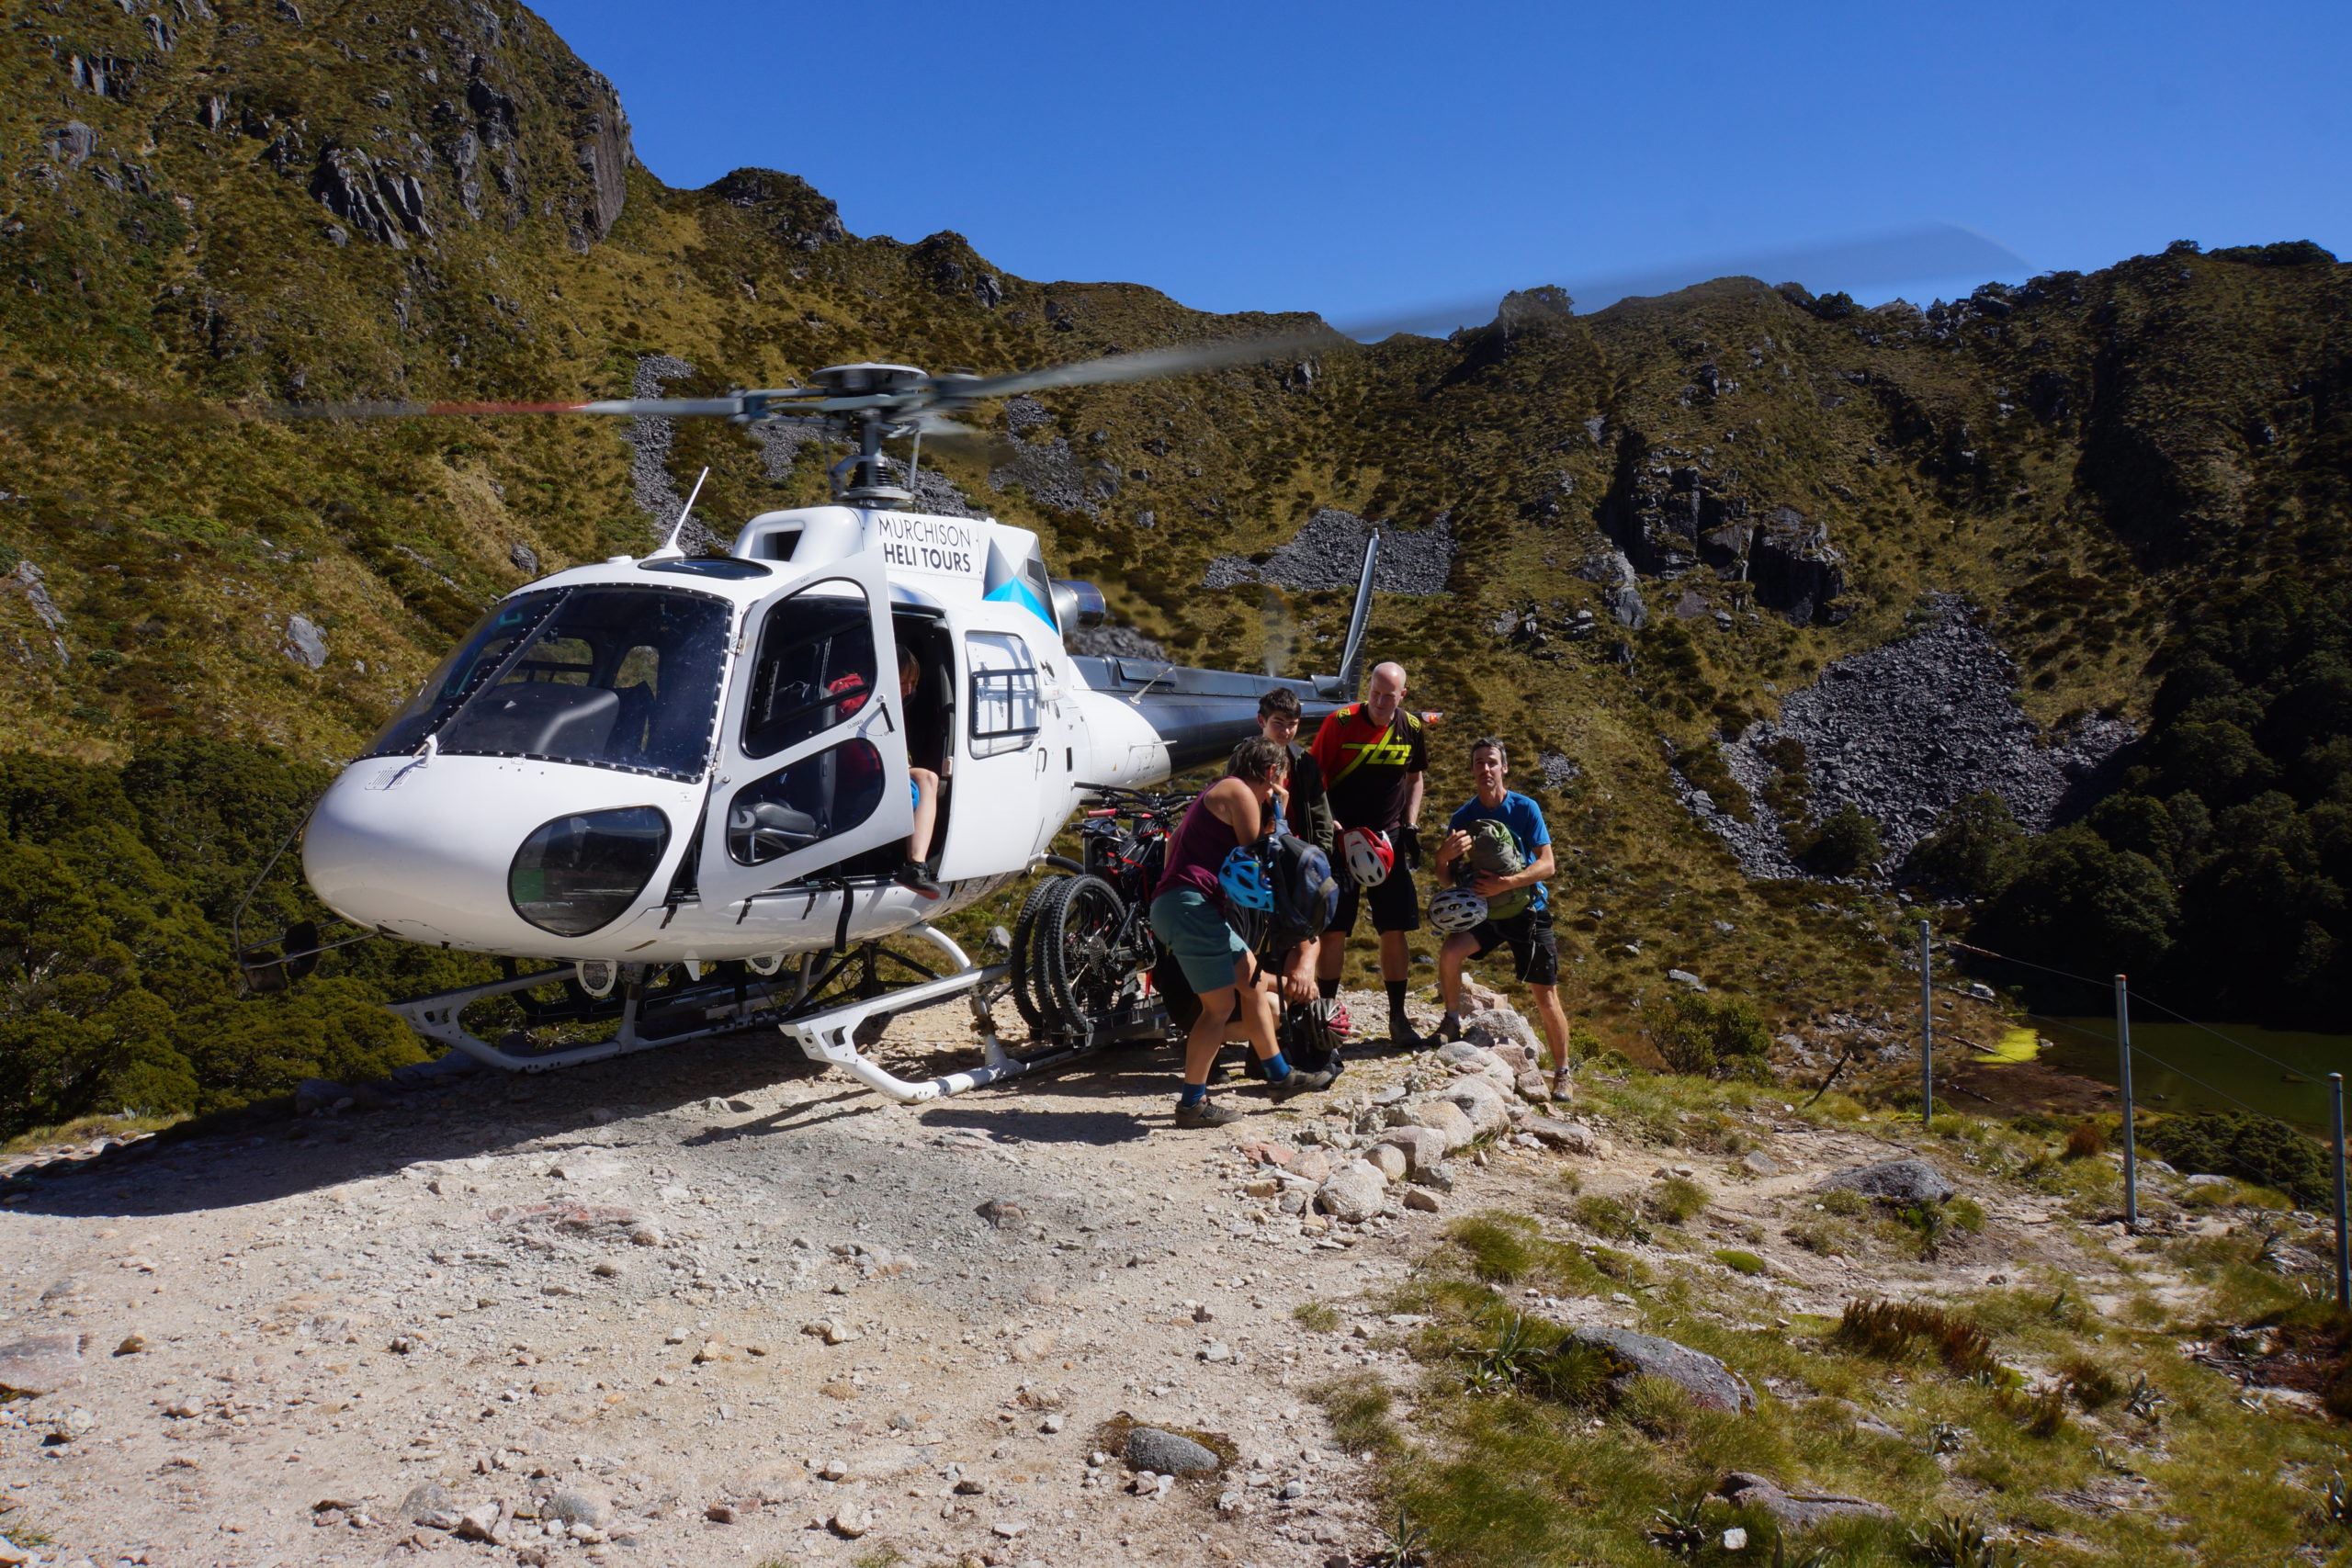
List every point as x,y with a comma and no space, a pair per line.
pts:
1409,846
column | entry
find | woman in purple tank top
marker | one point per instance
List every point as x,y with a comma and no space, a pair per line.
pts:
1190,917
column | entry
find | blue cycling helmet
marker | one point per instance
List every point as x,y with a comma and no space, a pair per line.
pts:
1243,878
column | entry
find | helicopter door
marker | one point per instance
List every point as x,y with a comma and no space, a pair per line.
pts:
814,740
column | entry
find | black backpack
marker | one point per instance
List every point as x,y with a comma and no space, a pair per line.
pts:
1306,893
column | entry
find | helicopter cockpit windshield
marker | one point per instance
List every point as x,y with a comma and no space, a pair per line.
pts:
610,677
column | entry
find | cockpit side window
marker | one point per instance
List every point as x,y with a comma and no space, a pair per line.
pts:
815,668
1004,692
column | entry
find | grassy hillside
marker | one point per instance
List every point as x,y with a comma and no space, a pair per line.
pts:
212,206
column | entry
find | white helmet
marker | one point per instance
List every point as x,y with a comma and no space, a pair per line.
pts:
1456,909
1368,854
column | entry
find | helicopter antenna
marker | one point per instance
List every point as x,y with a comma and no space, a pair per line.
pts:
670,545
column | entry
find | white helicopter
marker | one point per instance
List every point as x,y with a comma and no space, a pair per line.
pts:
667,778
641,770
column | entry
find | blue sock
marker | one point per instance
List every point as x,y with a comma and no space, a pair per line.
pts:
1277,1069
1193,1094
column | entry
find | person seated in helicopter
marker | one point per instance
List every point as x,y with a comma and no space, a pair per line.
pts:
924,784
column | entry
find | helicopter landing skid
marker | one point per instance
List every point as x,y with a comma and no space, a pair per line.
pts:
688,1015
836,1037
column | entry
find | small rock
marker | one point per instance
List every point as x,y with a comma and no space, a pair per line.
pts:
42,1363
1008,1530
711,1351
646,1235
1569,1137
606,1269
1422,1200
1217,1350
1000,1213
1711,1384
1355,1192
1033,1347
12,1555
1437,1179
1756,1162
1795,1511
1389,1160
1293,1491
1896,1180
1050,1425
1735,1539
1446,1119
1167,1454
133,1343
850,1524
971,1487
480,1524
1203,1312
1684,977
1039,1293
578,1505
726,1514
1421,1146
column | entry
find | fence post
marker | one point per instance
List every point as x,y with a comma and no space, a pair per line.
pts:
1926,1031
2130,1144
2343,1246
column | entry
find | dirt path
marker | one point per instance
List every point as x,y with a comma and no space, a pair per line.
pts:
716,1308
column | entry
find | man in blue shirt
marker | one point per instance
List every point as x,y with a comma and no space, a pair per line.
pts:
1536,955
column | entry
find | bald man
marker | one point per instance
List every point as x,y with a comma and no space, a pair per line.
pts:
1375,757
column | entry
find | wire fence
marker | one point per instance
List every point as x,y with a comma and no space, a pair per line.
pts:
2264,1177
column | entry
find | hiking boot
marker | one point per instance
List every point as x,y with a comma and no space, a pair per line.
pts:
1303,1082
1401,1033
1563,1085
1449,1028
1206,1113
913,877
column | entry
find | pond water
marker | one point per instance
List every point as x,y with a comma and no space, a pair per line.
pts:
2166,1056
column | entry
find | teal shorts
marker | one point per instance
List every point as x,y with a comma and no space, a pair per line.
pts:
1194,931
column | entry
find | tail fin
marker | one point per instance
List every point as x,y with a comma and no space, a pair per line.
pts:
1359,622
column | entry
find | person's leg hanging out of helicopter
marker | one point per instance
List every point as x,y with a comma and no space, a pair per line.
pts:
924,784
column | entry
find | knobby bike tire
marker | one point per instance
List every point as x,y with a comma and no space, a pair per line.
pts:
1028,983
1078,936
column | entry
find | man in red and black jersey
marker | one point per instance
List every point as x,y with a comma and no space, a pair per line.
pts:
1375,757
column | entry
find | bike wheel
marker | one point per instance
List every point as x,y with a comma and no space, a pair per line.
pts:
1089,963
1029,991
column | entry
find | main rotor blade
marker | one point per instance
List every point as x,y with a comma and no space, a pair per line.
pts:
232,414
1931,250
1145,364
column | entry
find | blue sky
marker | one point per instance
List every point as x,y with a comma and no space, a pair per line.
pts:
1366,160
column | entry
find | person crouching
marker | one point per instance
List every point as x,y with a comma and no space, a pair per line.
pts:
1192,914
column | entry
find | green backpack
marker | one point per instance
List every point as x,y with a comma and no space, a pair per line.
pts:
1492,849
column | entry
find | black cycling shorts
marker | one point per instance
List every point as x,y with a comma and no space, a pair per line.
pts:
1535,953
1396,904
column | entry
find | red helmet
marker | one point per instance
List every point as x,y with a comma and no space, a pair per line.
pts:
1368,855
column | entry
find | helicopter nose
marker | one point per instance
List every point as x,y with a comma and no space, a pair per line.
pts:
493,855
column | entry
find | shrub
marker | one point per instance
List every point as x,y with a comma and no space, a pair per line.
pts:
1655,1406
1846,844
1844,1200
1609,1217
1965,1214
2088,1384
1706,1036
2245,1146
1975,850
2084,1141
1317,1317
1897,1331
1677,1200
1739,1262
1501,1247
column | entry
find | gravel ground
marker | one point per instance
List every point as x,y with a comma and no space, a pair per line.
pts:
606,1280
715,1307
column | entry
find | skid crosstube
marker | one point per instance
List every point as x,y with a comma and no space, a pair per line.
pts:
833,1036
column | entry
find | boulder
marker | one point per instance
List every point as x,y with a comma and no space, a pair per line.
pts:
1354,1192
1711,1384
1894,1181
1422,1146
1445,1118
1167,1453
1464,1054
41,1363
1480,1101
1795,1510
1391,1159
1568,1137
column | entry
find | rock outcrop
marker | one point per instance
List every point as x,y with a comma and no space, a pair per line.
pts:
1710,1383
1895,1181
